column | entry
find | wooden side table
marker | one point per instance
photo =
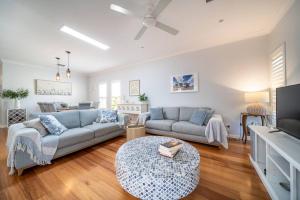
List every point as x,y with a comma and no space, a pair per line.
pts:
244,123
133,132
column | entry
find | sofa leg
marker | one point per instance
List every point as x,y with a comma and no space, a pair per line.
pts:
20,171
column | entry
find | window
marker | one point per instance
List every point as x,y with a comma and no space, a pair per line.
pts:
278,76
115,94
102,95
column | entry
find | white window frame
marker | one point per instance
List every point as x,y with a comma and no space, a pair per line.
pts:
115,98
103,98
278,75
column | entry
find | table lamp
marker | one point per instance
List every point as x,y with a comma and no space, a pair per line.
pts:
256,102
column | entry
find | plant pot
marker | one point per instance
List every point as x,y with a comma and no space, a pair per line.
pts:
17,103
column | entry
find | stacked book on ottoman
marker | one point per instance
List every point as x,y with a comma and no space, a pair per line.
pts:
170,148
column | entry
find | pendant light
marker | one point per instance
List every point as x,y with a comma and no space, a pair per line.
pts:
68,72
57,74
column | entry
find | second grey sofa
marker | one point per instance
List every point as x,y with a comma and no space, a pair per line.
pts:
176,124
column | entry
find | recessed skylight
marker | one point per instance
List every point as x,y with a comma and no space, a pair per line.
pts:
83,37
119,9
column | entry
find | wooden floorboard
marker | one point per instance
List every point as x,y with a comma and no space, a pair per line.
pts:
90,174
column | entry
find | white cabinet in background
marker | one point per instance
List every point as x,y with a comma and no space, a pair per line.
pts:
133,110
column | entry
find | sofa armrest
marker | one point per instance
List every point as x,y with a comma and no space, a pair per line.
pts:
216,117
144,117
123,119
13,130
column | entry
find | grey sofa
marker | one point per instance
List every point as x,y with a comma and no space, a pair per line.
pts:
81,133
176,124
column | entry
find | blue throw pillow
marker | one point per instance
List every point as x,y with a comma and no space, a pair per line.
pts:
209,114
52,125
198,117
156,114
108,116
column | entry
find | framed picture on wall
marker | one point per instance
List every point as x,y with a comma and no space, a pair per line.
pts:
134,88
187,82
44,87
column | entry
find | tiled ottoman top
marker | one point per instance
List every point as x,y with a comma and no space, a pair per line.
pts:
146,174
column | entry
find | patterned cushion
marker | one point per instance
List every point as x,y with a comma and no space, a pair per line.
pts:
52,125
198,117
36,124
156,114
107,116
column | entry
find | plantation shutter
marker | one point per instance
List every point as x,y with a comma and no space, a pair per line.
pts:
278,76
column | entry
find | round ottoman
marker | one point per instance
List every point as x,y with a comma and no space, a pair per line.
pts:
146,174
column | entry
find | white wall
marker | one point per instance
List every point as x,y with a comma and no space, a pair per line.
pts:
288,30
17,75
225,72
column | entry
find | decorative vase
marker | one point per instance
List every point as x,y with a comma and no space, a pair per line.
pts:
17,103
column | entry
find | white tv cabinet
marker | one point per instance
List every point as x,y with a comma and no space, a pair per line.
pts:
276,158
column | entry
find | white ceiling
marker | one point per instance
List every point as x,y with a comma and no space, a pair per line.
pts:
29,29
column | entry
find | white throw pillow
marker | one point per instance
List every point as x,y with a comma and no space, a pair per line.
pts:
36,124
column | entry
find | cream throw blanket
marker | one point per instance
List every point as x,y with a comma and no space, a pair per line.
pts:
29,141
216,131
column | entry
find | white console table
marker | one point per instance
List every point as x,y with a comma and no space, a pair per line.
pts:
133,110
276,158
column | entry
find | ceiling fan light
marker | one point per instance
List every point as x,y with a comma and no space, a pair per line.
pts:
119,9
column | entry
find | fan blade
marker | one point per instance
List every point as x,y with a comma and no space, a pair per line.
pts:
162,4
140,33
166,28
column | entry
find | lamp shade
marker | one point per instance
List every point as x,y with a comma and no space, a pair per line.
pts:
257,97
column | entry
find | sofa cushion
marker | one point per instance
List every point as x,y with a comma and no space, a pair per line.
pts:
87,117
186,113
165,125
188,128
36,124
107,116
171,113
198,117
74,136
102,129
209,115
52,125
70,119
156,114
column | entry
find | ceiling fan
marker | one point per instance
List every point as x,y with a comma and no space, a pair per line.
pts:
150,18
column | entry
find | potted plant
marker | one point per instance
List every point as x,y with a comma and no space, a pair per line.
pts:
15,95
143,98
